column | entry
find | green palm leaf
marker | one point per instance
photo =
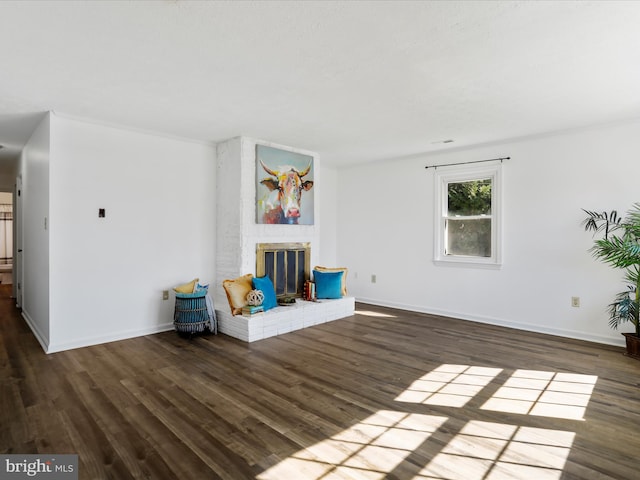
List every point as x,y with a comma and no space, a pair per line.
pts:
617,251
623,309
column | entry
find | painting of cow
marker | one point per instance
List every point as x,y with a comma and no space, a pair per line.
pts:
281,179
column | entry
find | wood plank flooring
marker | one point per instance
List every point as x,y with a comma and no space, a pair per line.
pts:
383,394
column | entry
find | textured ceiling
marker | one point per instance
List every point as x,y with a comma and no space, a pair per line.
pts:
354,81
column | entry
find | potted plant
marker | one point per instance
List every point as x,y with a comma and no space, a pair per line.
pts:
619,247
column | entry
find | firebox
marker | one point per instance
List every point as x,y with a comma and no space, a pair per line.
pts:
286,264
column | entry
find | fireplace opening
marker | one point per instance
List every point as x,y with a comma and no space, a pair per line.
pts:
286,264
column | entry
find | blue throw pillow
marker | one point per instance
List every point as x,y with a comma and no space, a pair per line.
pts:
265,284
328,284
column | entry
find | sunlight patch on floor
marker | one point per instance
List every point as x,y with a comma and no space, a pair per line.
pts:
449,385
368,450
371,313
373,448
548,394
495,451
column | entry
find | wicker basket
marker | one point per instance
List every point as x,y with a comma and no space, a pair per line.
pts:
191,315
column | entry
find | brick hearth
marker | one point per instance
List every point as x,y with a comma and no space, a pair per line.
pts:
282,320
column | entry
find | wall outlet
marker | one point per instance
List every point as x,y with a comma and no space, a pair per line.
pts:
575,301
165,294
373,278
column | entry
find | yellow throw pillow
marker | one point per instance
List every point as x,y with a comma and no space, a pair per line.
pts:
187,287
237,291
337,269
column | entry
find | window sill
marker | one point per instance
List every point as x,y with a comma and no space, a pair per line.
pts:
467,263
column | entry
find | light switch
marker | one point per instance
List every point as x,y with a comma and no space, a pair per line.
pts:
101,213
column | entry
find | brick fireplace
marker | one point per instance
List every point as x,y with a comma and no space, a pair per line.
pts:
238,237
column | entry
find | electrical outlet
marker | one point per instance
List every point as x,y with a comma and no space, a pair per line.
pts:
165,294
373,279
575,301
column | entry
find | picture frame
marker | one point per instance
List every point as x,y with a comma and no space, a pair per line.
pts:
284,187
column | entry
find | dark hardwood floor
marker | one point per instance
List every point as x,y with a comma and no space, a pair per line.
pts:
383,394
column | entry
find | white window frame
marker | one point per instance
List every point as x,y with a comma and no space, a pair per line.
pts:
465,173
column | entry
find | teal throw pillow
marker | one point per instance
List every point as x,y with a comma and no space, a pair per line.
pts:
328,284
266,285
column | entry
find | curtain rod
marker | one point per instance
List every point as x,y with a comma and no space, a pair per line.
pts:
467,163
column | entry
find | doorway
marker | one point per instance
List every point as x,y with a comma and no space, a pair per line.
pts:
6,238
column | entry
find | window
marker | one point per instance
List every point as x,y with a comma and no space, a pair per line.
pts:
468,220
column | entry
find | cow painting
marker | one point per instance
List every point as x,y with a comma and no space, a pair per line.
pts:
281,193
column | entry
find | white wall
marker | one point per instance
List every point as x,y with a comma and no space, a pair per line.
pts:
34,169
108,274
385,227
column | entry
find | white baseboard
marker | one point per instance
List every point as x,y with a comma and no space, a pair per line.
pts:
577,335
40,336
112,337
